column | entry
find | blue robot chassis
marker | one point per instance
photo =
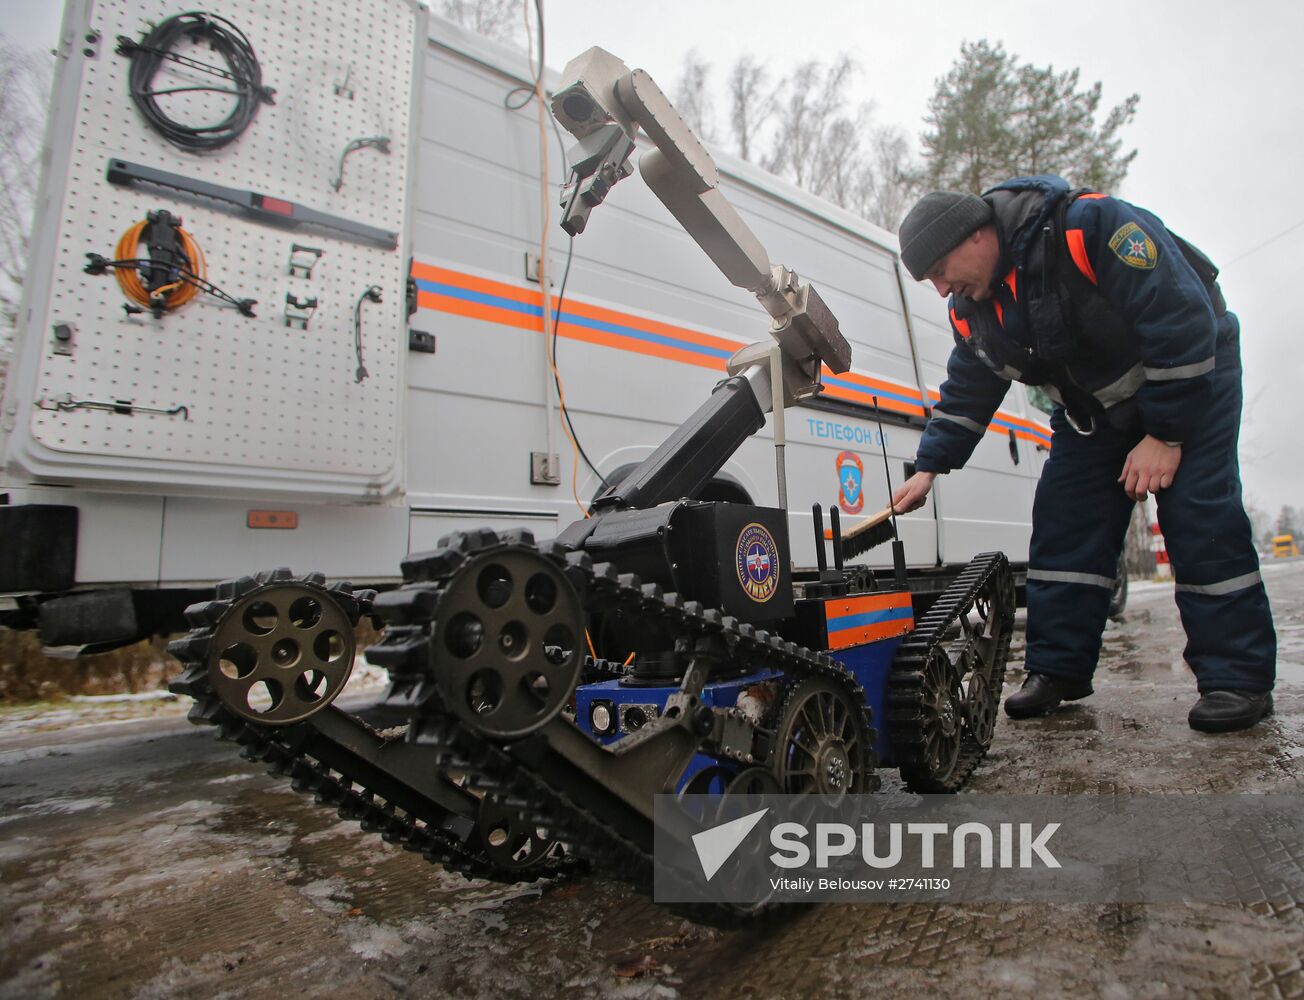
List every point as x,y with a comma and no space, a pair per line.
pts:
865,632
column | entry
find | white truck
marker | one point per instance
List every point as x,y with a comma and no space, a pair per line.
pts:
369,361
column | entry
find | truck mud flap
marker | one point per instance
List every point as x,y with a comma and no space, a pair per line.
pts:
100,618
39,553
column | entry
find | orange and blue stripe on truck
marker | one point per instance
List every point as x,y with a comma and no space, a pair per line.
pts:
460,294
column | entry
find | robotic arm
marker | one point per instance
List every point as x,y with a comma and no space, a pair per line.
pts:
603,104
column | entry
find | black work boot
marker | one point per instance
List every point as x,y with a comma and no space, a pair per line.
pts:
1042,693
1227,711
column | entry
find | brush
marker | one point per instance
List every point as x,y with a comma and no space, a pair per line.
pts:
871,532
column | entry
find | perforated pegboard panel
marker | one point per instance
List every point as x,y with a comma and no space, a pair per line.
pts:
270,407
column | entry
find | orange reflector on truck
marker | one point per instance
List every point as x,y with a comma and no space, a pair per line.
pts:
273,519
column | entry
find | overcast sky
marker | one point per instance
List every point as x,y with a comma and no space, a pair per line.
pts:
1220,126
1219,130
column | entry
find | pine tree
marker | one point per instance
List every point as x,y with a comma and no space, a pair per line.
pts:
992,118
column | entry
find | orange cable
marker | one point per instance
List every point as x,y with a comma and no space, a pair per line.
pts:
549,320
175,294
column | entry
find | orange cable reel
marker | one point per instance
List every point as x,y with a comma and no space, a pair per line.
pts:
160,267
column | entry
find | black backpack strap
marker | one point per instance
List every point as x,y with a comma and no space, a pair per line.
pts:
1205,269
1060,271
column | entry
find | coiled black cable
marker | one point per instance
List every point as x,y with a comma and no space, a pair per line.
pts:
242,72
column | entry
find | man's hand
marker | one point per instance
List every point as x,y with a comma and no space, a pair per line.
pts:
1150,467
913,493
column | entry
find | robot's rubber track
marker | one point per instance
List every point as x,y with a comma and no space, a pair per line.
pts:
500,769
906,684
439,836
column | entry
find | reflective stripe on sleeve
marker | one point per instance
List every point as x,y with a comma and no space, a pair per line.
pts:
1222,586
1063,576
965,422
1181,371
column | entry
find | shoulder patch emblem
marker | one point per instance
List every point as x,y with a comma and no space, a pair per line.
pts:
1134,248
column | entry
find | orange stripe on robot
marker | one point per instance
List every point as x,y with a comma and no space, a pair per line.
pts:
852,621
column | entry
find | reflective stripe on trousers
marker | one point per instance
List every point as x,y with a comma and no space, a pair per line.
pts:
1064,576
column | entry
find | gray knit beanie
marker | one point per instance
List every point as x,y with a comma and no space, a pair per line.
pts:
939,223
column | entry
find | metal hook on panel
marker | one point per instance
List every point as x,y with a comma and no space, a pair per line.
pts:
66,402
372,293
342,89
298,311
303,259
378,142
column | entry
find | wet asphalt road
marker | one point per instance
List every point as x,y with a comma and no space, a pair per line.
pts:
145,859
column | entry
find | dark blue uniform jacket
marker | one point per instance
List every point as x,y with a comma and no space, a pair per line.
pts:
1142,345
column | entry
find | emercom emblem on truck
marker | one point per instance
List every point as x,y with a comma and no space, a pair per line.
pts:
851,474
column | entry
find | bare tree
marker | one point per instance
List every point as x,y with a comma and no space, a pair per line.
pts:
841,154
1288,521
889,180
1260,523
751,103
804,129
692,99
24,100
501,20
810,136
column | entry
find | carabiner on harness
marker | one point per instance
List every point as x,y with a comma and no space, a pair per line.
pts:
1091,424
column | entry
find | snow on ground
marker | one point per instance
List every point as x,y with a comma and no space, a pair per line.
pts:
365,683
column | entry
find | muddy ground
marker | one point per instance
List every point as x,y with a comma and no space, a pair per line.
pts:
139,857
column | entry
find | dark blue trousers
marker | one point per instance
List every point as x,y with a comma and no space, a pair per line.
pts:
1079,520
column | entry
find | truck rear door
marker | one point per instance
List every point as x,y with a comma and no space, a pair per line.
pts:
285,372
